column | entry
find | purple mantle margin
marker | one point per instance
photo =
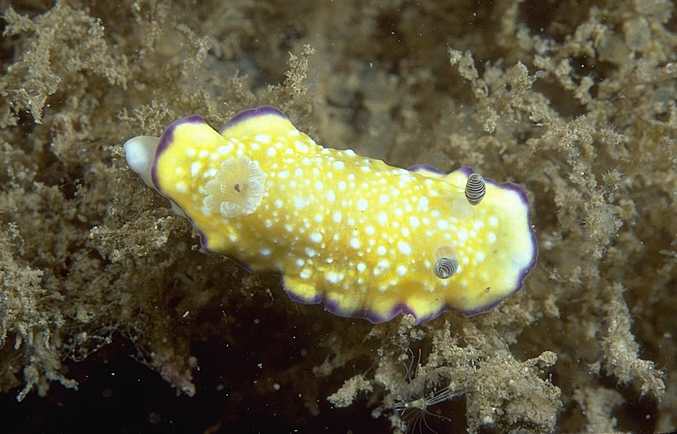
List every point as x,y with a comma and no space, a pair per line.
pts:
166,139
252,113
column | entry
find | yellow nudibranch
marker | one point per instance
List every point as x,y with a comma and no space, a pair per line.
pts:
363,238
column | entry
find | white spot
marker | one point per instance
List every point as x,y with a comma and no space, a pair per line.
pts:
381,266
370,230
209,173
318,218
383,198
298,172
339,165
300,262
300,202
414,222
181,187
310,252
305,274
382,218
337,216
491,237
300,146
462,235
479,257
195,168
331,196
405,178
361,267
203,153
333,277
263,138
319,185
190,152
404,247
493,221
443,224
341,185
278,203
349,152
381,250
225,149
362,204
478,225
316,237
265,251
268,223
271,152
423,203
401,270
283,174
354,243
255,146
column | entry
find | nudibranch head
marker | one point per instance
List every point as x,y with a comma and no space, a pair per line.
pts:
363,238
140,152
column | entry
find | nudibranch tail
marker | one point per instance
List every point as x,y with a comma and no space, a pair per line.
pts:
363,238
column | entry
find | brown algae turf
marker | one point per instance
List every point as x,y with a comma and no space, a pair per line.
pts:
574,101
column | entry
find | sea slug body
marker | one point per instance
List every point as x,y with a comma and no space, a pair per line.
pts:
364,238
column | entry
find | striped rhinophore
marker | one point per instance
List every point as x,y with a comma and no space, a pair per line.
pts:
445,267
475,189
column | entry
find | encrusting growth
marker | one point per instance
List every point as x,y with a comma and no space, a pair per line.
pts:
364,238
